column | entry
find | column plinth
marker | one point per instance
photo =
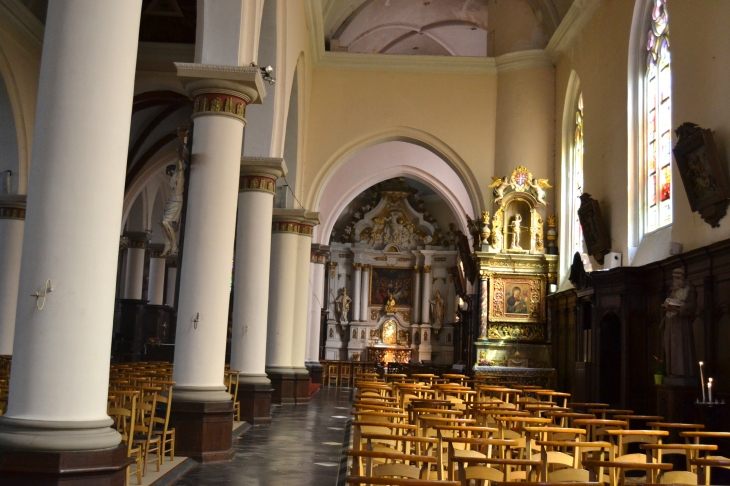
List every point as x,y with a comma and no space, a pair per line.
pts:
12,224
256,188
301,306
53,415
202,408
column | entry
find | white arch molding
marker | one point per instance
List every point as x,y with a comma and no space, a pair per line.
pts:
386,160
402,134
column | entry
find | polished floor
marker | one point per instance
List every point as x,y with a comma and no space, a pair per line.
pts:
303,446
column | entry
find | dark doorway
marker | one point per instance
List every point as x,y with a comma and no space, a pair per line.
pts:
609,384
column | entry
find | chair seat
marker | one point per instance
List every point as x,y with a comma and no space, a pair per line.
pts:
468,453
143,438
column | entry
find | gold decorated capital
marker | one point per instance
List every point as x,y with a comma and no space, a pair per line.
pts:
257,183
285,227
12,207
220,103
306,229
357,266
427,269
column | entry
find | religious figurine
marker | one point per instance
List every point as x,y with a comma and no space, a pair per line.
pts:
500,184
538,187
676,327
390,304
497,230
173,208
342,306
437,309
485,227
516,227
537,232
473,231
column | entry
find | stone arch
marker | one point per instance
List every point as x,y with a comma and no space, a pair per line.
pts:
23,139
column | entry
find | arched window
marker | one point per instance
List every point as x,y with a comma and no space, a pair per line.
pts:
576,234
658,149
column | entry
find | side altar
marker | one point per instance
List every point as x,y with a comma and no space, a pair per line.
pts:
516,271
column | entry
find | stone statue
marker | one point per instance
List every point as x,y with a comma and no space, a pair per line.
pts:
676,327
516,227
390,304
497,230
173,208
342,306
437,309
538,187
499,184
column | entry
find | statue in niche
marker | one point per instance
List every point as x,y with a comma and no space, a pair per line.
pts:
676,327
342,306
173,208
390,304
332,333
437,309
425,336
516,228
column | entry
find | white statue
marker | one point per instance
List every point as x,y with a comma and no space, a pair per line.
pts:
173,208
437,310
539,186
499,184
342,306
516,227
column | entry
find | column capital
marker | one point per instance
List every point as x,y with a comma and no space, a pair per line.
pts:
12,206
427,269
310,220
417,269
357,266
137,239
320,253
221,90
284,220
261,173
366,267
156,249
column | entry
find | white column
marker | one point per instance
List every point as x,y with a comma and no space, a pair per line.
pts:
156,282
12,222
426,295
317,302
301,295
256,190
416,314
282,288
356,283
365,293
75,191
171,282
134,275
220,94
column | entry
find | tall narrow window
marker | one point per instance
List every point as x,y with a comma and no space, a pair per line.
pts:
658,161
576,235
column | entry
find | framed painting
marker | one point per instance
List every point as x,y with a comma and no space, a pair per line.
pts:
517,298
388,280
702,175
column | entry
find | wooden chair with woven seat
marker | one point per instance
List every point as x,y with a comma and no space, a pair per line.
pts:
580,450
483,469
232,381
345,374
162,426
396,465
469,447
125,419
617,468
143,432
332,370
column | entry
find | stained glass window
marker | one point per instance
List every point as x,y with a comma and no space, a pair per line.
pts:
576,236
658,121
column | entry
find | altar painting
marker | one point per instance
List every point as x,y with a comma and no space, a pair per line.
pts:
386,280
516,298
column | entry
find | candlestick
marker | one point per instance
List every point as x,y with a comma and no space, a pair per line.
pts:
709,389
702,381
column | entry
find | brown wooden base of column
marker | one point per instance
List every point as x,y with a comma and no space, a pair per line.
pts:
301,389
203,430
283,385
255,401
315,372
69,468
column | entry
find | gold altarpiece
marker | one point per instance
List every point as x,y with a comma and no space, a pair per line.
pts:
515,275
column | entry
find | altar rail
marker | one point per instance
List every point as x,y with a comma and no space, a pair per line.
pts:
342,373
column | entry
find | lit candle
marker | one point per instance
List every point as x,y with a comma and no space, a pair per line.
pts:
702,381
709,389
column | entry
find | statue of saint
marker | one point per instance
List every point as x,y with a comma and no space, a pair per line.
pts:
676,327
342,306
173,208
390,304
516,227
437,309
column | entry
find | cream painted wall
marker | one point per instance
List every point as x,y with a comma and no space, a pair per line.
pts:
700,94
600,59
350,109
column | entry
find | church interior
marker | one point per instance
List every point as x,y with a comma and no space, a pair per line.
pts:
398,242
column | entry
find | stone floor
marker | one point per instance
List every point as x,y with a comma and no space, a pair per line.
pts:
302,446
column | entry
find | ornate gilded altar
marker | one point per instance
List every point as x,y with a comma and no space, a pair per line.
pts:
515,274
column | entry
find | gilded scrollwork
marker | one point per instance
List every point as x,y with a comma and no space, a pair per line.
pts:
517,332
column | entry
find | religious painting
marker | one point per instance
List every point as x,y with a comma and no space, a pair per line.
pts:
702,175
517,298
385,281
390,331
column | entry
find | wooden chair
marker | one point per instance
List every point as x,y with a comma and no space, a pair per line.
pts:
162,427
704,466
482,469
333,373
125,419
232,378
345,374
360,480
397,465
143,432
616,469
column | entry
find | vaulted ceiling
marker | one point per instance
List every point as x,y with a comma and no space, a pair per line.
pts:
478,28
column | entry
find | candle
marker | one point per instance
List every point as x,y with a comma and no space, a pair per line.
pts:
709,389
702,381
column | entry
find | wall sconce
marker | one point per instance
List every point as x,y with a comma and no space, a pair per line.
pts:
46,290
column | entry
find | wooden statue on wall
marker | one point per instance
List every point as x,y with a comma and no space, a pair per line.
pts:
702,175
597,239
